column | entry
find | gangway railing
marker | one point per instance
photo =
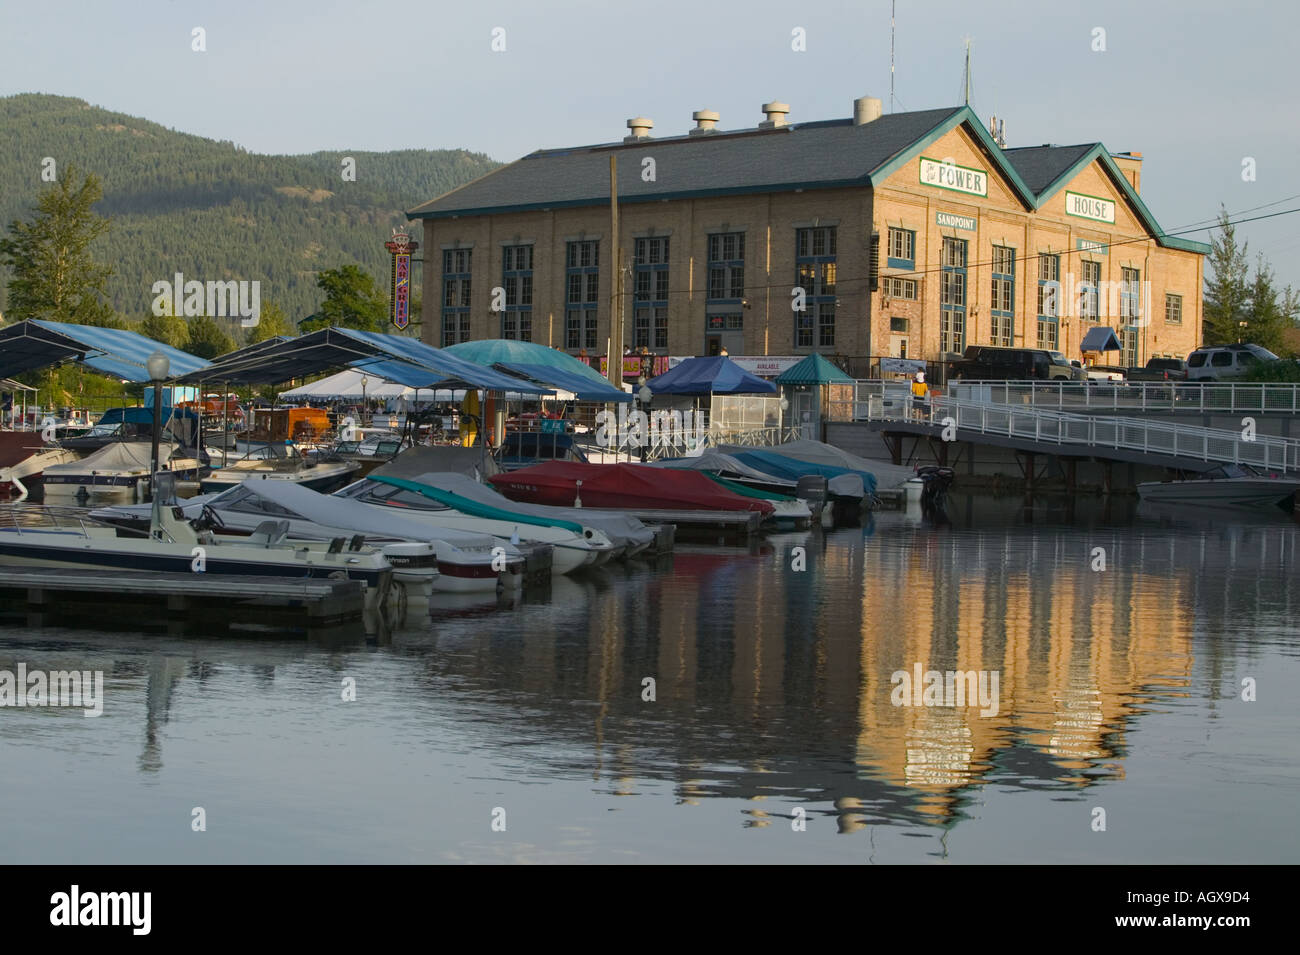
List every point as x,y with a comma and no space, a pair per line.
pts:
1059,430
1179,396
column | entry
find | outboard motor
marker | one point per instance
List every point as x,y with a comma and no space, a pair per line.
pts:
811,489
937,480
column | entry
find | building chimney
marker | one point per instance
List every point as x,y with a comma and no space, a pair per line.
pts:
706,121
866,109
640,127
776,113
1130,164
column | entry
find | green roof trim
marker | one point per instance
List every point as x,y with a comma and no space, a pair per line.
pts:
959,116
1100,152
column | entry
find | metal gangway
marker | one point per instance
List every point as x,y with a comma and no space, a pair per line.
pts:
1040,430
1093,397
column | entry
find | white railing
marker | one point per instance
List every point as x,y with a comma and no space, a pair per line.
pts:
1097,431
1226,397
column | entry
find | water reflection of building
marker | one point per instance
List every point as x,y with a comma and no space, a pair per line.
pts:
772,682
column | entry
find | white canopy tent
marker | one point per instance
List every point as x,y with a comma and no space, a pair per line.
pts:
346,386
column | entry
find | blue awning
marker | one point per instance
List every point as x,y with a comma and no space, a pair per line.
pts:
1100,339
330,348
580,385
37,343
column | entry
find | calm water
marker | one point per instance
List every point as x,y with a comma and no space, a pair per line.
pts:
1119,689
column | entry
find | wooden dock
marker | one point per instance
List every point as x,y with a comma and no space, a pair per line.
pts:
711,526
178,603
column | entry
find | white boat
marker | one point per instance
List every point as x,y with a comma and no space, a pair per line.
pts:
628,535
122,465
464,562
575,545
284,463
27,475
1229,485
46,536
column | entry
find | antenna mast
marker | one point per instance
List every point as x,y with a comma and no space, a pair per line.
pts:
967,77
892,7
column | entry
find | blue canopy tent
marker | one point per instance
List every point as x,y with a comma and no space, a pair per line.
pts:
37,343
330,348
1099,340
582,386
717,375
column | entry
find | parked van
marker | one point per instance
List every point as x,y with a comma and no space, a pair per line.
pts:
992,363
1222,362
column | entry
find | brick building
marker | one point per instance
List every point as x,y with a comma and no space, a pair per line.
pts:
910,234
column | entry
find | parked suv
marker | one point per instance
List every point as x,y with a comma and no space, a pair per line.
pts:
1217,362
992,363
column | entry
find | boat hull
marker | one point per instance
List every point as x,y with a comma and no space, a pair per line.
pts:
1228,492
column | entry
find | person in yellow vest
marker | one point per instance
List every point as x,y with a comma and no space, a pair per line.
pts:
920,395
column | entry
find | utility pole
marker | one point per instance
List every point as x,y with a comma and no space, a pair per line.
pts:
616,303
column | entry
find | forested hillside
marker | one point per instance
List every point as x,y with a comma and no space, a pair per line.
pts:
212,210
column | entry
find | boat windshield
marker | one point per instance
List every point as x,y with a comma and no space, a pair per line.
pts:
372,492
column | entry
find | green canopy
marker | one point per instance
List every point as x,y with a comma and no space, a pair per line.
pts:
814,370
495,351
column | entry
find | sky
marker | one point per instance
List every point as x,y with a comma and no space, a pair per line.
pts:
1197,87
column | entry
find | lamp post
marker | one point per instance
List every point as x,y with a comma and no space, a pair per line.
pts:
158,366
364,406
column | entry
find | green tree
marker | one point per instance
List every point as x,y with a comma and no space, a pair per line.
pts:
1266,322
272,322
352,300
207,339
1227,292
53,273
167,329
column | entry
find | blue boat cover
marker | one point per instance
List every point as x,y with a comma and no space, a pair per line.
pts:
718,375
142,415
792,469
38,343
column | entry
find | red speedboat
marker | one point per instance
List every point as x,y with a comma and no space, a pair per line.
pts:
623,486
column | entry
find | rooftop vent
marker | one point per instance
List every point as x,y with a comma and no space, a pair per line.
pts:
640,127
776,113
706,121
866,109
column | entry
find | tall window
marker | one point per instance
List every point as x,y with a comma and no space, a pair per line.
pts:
582,297
726,267
1130,310
650,296
456,265
1003,301
952,295
517,280
815,274
1089,283
902,249
1049,294
1173,309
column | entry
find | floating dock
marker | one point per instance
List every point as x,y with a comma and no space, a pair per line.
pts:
178,603
712,526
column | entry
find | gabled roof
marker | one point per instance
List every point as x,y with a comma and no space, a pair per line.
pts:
819,155
1048,169
1040,166
800,156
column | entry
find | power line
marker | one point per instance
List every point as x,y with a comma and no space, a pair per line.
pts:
1028,257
